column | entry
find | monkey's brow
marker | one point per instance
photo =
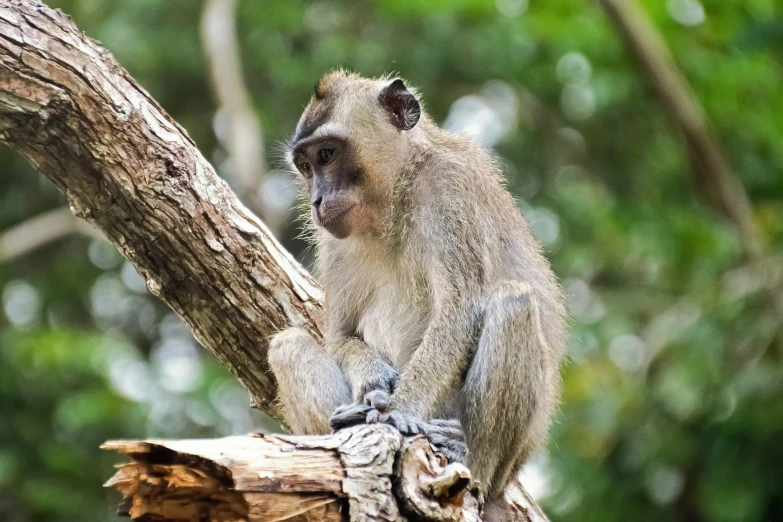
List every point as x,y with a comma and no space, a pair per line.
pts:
316,138
306,131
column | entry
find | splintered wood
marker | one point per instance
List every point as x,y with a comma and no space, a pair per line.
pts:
359,474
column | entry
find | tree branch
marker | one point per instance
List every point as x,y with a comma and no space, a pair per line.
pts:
709,165
133,173
39,231
710,168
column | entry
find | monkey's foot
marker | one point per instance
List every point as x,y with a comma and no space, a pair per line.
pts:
447,437
350,415
406,424
361,413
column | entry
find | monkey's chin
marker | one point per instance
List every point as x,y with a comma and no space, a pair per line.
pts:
342,225
339,230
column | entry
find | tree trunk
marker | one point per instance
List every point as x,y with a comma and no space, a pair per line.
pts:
128,169
134,174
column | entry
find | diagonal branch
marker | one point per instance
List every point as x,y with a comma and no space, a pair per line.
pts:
133,173
710,167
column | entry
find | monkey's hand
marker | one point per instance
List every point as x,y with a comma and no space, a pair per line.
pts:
368,411
350,415
375,382
445,435
373,409
407,424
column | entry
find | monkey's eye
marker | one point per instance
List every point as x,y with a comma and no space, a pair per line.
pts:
306,169
325,156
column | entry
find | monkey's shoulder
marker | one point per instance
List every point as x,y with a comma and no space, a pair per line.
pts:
461,200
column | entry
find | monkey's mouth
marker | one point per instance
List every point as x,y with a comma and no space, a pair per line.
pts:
336,220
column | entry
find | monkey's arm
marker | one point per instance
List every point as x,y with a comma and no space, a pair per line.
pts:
450,250
364,370
436,368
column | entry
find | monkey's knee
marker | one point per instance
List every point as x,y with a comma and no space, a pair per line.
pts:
285,347
511,301
310,383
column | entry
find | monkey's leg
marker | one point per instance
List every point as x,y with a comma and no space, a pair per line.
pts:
310,383
508,394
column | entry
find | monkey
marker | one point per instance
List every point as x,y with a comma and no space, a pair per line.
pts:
442,314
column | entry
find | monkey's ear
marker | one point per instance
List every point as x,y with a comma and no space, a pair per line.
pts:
401,104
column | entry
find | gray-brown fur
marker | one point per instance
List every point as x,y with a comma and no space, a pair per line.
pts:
435,290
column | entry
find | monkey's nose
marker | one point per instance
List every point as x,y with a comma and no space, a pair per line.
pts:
317,202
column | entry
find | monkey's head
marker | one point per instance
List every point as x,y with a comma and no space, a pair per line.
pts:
349,148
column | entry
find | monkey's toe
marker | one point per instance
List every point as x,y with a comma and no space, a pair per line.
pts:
447,437
373,417
349,415
446,429
453,450
405,424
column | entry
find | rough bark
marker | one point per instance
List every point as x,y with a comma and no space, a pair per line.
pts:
358,474
133,173
128,169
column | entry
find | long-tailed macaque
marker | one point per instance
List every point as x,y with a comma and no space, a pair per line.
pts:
442,314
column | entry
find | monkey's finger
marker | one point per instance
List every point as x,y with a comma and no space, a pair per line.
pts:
447,423
378,399
373,416
446,429
437,438
454,452
349,415
397,420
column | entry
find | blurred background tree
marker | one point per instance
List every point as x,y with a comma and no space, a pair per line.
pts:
673,399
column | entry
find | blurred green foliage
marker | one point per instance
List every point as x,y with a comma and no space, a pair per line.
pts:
673,399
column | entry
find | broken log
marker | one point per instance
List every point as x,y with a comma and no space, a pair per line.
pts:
359,474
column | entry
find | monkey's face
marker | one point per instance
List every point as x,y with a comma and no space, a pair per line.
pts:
348,147
334,178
